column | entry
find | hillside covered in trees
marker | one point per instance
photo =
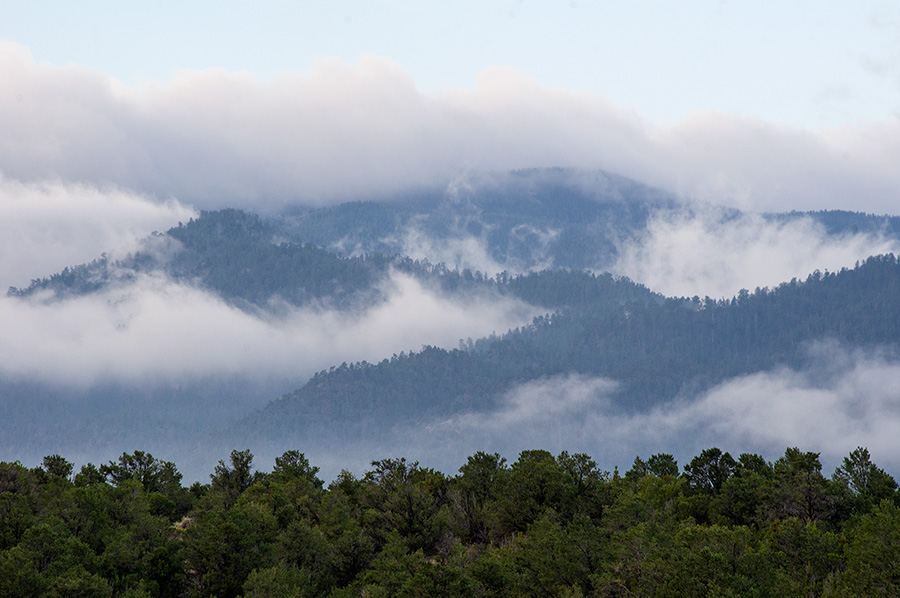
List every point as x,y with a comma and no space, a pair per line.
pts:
541,218
239,256
657,348
523,221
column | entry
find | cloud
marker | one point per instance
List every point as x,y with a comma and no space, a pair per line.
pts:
843,400
846,399
464,251
559,413
47,226
711,253
155,329
213,138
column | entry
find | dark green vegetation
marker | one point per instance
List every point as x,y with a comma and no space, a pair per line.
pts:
542,526
657,348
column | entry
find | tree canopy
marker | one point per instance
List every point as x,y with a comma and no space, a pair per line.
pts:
541,525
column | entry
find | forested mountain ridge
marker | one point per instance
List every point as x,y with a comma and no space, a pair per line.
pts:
524,220
246,259
235,254
841,222
656,348
533,219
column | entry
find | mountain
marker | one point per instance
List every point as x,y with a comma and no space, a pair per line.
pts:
543,240
529,220
522,220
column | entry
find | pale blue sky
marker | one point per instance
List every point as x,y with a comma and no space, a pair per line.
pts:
799,63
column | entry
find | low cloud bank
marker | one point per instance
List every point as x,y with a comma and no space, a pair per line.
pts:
153,328
214,138
705,254
844,400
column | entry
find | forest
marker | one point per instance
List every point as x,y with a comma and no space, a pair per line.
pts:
543,525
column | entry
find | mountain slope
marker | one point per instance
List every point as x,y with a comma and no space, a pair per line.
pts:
657,349
237,255
532,220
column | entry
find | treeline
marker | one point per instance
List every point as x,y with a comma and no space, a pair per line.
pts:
542,526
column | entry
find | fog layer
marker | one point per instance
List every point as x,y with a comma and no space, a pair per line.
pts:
153,328
214,138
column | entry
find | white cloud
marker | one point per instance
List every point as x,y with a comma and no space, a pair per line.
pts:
214,138
155,329
464,251
45,227
847,399
709,253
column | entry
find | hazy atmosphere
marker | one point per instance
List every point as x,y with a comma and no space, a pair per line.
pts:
117,121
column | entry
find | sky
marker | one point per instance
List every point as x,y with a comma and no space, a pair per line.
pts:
800,63
122,118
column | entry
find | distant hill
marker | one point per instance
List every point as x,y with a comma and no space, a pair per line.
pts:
526,220
538,218
237,255
656,348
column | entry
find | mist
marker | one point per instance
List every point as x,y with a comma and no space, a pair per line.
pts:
697,249
705,252
214,138
155,365
153,328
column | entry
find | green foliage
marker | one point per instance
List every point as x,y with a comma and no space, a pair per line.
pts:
153,474
708,471
293,465
542,526
278,582
868,484
659,465
230,480
873,555
57,466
